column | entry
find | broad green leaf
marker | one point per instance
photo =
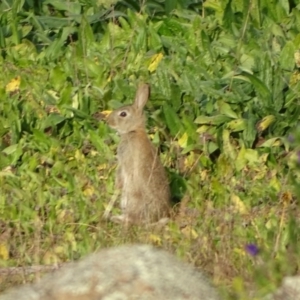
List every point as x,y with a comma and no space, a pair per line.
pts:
172,120
4,162
52,120
241,161
213,5
176,97
183,140
26,29
155,60
205,42
236,125
73,8
286,57
259,86
140,42
98,141
265,123
212,147
170,5
154,40
93,69
57,78
213,120
14,152
228,16
189,148
54,50
204,129
275,184
124,23
256,11
11,149
50,22
175,26
273,142
164,82
250,132
190,127
247,63
228,148
285,4
17,6
86,35
252,156
225,109
279,85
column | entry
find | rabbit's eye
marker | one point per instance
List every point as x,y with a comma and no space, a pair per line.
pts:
123,114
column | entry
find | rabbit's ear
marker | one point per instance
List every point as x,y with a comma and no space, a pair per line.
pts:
141,97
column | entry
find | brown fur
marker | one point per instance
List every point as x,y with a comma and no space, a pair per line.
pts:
145,192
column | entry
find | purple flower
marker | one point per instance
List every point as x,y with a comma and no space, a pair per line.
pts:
252,249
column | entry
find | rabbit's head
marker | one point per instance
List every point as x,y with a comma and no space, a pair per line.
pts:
130,117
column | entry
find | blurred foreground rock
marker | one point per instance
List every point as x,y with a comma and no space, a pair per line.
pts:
126,272
289,290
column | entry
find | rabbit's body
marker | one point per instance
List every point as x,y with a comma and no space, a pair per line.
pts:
145,193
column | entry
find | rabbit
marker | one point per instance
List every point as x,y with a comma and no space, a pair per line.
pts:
141,178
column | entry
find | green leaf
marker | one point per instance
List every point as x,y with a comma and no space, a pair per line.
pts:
50,22
140,40
278,89
73,8
256,12
10,149
79,114
164,82
259,86
86,35
252,156
229,150
212,147
205,41
273,142
54,50
250,132
154,40
286,58
57,78
124,23
225,109
14,152
236,125
172,120
53,120
241,160
17,6
170,5
228,16
4,162
213,120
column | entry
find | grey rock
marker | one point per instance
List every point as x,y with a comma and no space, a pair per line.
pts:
122,273
289,290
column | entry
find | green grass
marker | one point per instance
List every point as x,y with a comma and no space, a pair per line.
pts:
224,100
52,206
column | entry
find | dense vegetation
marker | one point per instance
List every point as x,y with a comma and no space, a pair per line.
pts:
224,111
